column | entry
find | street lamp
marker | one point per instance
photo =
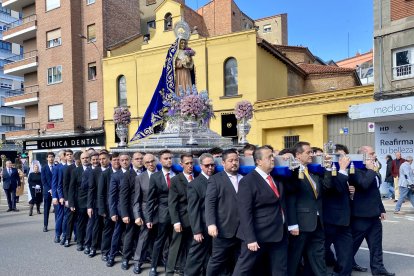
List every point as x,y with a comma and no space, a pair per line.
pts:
91,41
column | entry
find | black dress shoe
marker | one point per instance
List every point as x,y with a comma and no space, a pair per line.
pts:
67,243
125,264
153,272
9,210
359,268
104,258
92,253
87,250
16,210
137,268
110,262
62,241
80,248
383,273
44,228
57,239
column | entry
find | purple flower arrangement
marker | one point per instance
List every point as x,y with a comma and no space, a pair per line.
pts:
192,106
189,52
243,110
122,115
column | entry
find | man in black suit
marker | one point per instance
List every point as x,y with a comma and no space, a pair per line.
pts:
71,216
139,208
367,213
47,188
200,250
304,214
177,204
78,196
126,199
337,217
260,201
222,216
92,200
160,183
114,206
92,218
11,180
103,205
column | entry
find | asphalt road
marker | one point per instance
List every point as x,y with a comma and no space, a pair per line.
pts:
26,250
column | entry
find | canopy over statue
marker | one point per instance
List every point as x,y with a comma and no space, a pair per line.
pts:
177,78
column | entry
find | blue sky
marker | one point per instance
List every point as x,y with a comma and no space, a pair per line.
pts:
321,25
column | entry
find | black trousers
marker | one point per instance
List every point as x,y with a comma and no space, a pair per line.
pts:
310,245
224,256
93,230
119,229
341,238
164,232
107,232
81,226
131,234
276,252
179,246
371,230
11,198
47,203
142,245
198,256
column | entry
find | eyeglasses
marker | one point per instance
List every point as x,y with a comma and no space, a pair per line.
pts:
150,161
188,163
209,165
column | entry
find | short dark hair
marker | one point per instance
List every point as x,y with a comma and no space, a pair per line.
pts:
249,147
114,155
50,153
94,154
227,152
316,149
165,152
284,151
257,155
68,150
105,152
298,147
185,155
124,153
270,147
215,150
341,147
77,155
388,157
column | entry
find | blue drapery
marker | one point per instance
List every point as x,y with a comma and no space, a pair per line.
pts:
163,93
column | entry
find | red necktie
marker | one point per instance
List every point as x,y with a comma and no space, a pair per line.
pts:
273,186
190,178
168,180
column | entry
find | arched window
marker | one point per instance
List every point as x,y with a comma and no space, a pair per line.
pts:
231,82
168,22
122,91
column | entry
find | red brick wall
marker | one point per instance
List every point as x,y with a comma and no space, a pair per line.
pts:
218,17
320,83
401,9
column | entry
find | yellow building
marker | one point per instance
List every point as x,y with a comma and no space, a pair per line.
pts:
231,67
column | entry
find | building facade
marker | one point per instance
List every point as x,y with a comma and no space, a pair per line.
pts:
62,65
363,64
11,118
273,28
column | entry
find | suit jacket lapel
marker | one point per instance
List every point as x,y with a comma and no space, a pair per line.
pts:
227,182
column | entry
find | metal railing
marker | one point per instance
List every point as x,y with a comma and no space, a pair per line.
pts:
31,89
402,71
11,92
27,55
22,21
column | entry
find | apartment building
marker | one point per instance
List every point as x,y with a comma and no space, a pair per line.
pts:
64,43
11,118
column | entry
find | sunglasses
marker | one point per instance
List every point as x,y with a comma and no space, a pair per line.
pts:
209,165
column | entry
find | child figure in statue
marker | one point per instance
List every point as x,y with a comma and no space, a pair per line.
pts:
184,66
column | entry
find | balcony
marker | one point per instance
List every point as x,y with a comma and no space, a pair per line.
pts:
405,71
29,130
17,5
29,97
20,65
21,30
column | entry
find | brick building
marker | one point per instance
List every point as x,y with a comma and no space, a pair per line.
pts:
64,43
363,64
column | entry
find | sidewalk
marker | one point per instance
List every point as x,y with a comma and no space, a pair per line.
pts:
389,206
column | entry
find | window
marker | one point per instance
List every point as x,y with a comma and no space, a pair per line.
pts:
93,111
151,2
231,83
53,38
7,120
88,2
91,33
92,71
122,91
55,112
52,4
168,22
290,141
5,45
403,63
54,74
267,28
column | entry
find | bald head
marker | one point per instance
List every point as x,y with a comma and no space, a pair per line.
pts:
398,155
149,162
85,158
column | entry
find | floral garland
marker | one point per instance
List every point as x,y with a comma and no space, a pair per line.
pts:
243,110
122,115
